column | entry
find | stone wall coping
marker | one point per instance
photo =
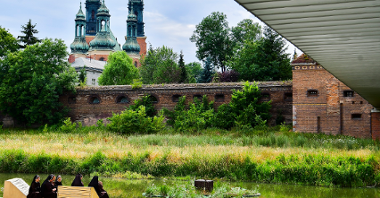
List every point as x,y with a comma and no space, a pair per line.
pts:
302,64
184,86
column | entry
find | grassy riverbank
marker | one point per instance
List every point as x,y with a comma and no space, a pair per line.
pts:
262,156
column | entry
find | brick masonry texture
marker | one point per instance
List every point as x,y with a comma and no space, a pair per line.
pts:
83,111
330,111
376,126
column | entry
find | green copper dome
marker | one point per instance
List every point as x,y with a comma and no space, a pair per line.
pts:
79,46
132,16
103,10
103,41
131,46
80,15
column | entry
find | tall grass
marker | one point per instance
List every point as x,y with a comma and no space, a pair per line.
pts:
270,156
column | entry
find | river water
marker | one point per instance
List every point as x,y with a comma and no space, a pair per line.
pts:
124,188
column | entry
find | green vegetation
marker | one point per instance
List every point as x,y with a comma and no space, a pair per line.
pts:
160,66
119,70
207,72
28,39
263,156
189,191
33,79
7,43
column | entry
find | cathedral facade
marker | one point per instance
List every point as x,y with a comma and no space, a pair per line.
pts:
94,39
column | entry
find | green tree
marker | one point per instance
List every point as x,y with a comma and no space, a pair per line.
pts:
160,66
194,70
207,72
264,59
246,30
29,39
34,80
82,75
7,42
213,39
119,70
181,64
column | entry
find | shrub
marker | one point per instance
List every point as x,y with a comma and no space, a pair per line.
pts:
197,116
68,126
137,84
145,101
130,121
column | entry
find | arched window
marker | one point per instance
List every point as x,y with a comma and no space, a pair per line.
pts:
101,59
176,98
122,99
153,99
94,99
93,14
135,63
198,97
219,98
72,100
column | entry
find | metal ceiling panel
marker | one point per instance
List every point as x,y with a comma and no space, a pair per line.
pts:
342,35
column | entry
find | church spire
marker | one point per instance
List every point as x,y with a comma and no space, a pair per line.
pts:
131,45
80,46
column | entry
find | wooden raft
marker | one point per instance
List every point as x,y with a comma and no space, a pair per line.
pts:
76,192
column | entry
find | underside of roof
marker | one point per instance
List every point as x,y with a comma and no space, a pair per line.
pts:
342,35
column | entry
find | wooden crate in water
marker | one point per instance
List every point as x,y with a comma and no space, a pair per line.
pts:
76,192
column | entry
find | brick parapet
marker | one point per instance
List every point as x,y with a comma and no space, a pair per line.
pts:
88,114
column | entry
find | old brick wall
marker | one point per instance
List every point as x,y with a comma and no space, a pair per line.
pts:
109,97
329,111
375,122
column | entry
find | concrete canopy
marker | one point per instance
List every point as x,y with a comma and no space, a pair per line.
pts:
341,35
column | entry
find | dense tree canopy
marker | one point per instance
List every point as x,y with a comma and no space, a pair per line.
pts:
28,39
7,42
160,66
194,70
246,30
264,59
213,39
182,67
207,72
119,70
34,78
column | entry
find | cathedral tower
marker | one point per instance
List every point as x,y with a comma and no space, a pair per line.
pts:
79,46
92,7
131,46
104,42
137,7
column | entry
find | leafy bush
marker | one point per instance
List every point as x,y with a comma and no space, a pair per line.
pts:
68,126
131,121
195,117
244,109
137,84
145,101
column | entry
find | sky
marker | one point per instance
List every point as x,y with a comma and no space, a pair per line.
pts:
167,22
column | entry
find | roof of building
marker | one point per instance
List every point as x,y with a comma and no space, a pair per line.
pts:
90,63
80,15
304,58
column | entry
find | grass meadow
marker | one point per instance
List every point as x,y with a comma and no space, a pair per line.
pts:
272,155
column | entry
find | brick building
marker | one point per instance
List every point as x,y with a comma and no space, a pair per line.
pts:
322,103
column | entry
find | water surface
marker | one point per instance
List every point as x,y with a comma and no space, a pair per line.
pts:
122,188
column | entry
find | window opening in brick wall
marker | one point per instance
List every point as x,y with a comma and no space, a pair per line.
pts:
101,59
219,98
361,102
348,93
176,98
288,97
122,100
199,97
353,102
135,63
312,93
94,100
72,100
265,96
356,116
153,99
